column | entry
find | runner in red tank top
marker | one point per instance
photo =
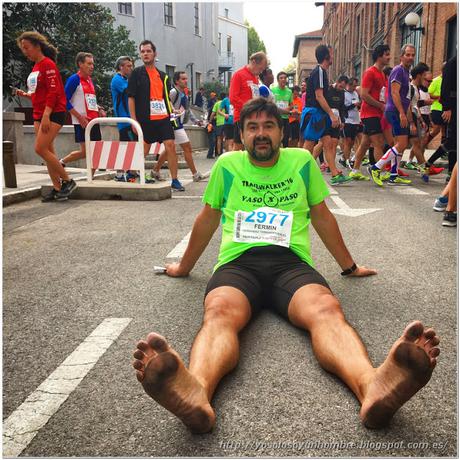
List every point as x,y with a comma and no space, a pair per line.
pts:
46,91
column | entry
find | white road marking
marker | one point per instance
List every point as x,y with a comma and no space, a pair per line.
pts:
408,190
180,248
33,414
345,210
331,190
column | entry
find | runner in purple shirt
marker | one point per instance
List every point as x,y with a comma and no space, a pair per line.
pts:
398,114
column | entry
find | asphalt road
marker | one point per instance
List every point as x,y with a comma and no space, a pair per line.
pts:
69,266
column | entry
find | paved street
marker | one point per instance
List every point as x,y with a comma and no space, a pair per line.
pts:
68,267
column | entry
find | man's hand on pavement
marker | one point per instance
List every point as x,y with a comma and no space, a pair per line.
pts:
175,270
363,271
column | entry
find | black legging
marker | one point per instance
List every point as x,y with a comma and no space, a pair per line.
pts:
449,144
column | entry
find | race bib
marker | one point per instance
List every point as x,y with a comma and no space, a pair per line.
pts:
382,94
158,107
283,105
335,112
32,81
264,225
254,89
230,112
91,102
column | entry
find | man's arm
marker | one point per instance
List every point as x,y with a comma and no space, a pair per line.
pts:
204,227
326,226
395,86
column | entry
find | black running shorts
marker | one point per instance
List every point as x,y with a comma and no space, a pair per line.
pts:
372,126
268,276
157,130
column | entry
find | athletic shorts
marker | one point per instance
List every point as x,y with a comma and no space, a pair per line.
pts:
313,123
384,123
180,136
268,276
229,131
219,130
436,118
333,132
127,134
294,129
426,119
393,119
350,131
55,117
94,135
157,130
371,126
236,133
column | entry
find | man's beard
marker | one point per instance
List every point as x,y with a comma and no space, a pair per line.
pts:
266,155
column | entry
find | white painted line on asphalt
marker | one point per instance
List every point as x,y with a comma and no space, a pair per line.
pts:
331,190
339,202
345,210
179,250
409,191
33,414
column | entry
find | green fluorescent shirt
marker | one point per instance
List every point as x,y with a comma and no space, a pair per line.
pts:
294,184
283,98
435,90
220,119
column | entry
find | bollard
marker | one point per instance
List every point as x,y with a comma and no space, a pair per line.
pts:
9,169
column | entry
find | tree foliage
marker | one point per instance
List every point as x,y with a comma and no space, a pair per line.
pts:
71,27
254,42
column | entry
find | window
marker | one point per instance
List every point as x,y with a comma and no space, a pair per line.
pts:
358,33
197,80
451,38
229,45
125,8
226,12
376,17
219,43
196,10
168,13
169,70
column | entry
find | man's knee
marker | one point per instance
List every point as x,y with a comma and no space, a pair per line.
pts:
328,308
220,310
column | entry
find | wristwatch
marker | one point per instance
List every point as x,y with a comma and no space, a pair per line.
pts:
350,270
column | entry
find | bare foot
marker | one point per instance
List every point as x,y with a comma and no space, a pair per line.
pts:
165,379
406,370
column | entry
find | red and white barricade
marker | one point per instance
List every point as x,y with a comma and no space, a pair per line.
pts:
115,154
156,148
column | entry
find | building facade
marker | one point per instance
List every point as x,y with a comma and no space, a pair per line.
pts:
207,40
304,52
232,40
354,29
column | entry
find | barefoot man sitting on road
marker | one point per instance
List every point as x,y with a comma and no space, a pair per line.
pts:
266,197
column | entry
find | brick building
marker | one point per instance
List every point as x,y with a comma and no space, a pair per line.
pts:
304,51
354,29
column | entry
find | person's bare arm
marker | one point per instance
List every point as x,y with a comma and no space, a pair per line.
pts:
328,230
204,227
365,96
325,106
395,87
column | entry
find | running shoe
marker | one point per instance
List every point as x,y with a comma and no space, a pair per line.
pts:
440,204
450,219
434,170
149,179
358,176
51,196
425,172
340,179
157,176
120,178
197,176
67,187
343,162
365,161
385,176
402,173
375,176
177,186
399,181
410,166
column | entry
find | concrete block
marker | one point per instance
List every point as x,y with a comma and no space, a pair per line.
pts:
110,190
